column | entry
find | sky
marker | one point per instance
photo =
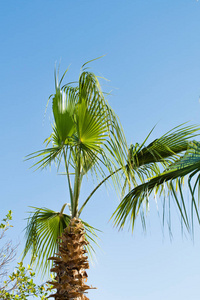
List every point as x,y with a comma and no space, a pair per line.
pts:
152,62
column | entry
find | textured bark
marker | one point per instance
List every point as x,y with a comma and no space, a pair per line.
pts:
70,264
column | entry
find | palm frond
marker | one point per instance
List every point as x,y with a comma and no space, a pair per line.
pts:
144,162
168,146
187,164
63,115
83,66
43,230
48,155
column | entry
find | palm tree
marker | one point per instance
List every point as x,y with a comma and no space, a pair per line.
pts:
88,138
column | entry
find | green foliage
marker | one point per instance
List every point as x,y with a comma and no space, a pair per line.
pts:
44,228
88,137
7,250
180,157
5,222
21,285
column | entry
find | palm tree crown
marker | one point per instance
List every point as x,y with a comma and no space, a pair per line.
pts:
88,137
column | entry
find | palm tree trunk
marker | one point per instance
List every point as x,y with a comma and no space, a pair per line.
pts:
70,264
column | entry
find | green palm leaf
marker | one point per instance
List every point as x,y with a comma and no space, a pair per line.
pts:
173,142
48,155
43,230
91,128
63,116
188,163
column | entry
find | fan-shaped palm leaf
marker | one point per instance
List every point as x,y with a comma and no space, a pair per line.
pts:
63,116
43,230
188,163
173,142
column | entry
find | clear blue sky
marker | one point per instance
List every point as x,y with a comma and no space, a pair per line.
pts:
153,64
